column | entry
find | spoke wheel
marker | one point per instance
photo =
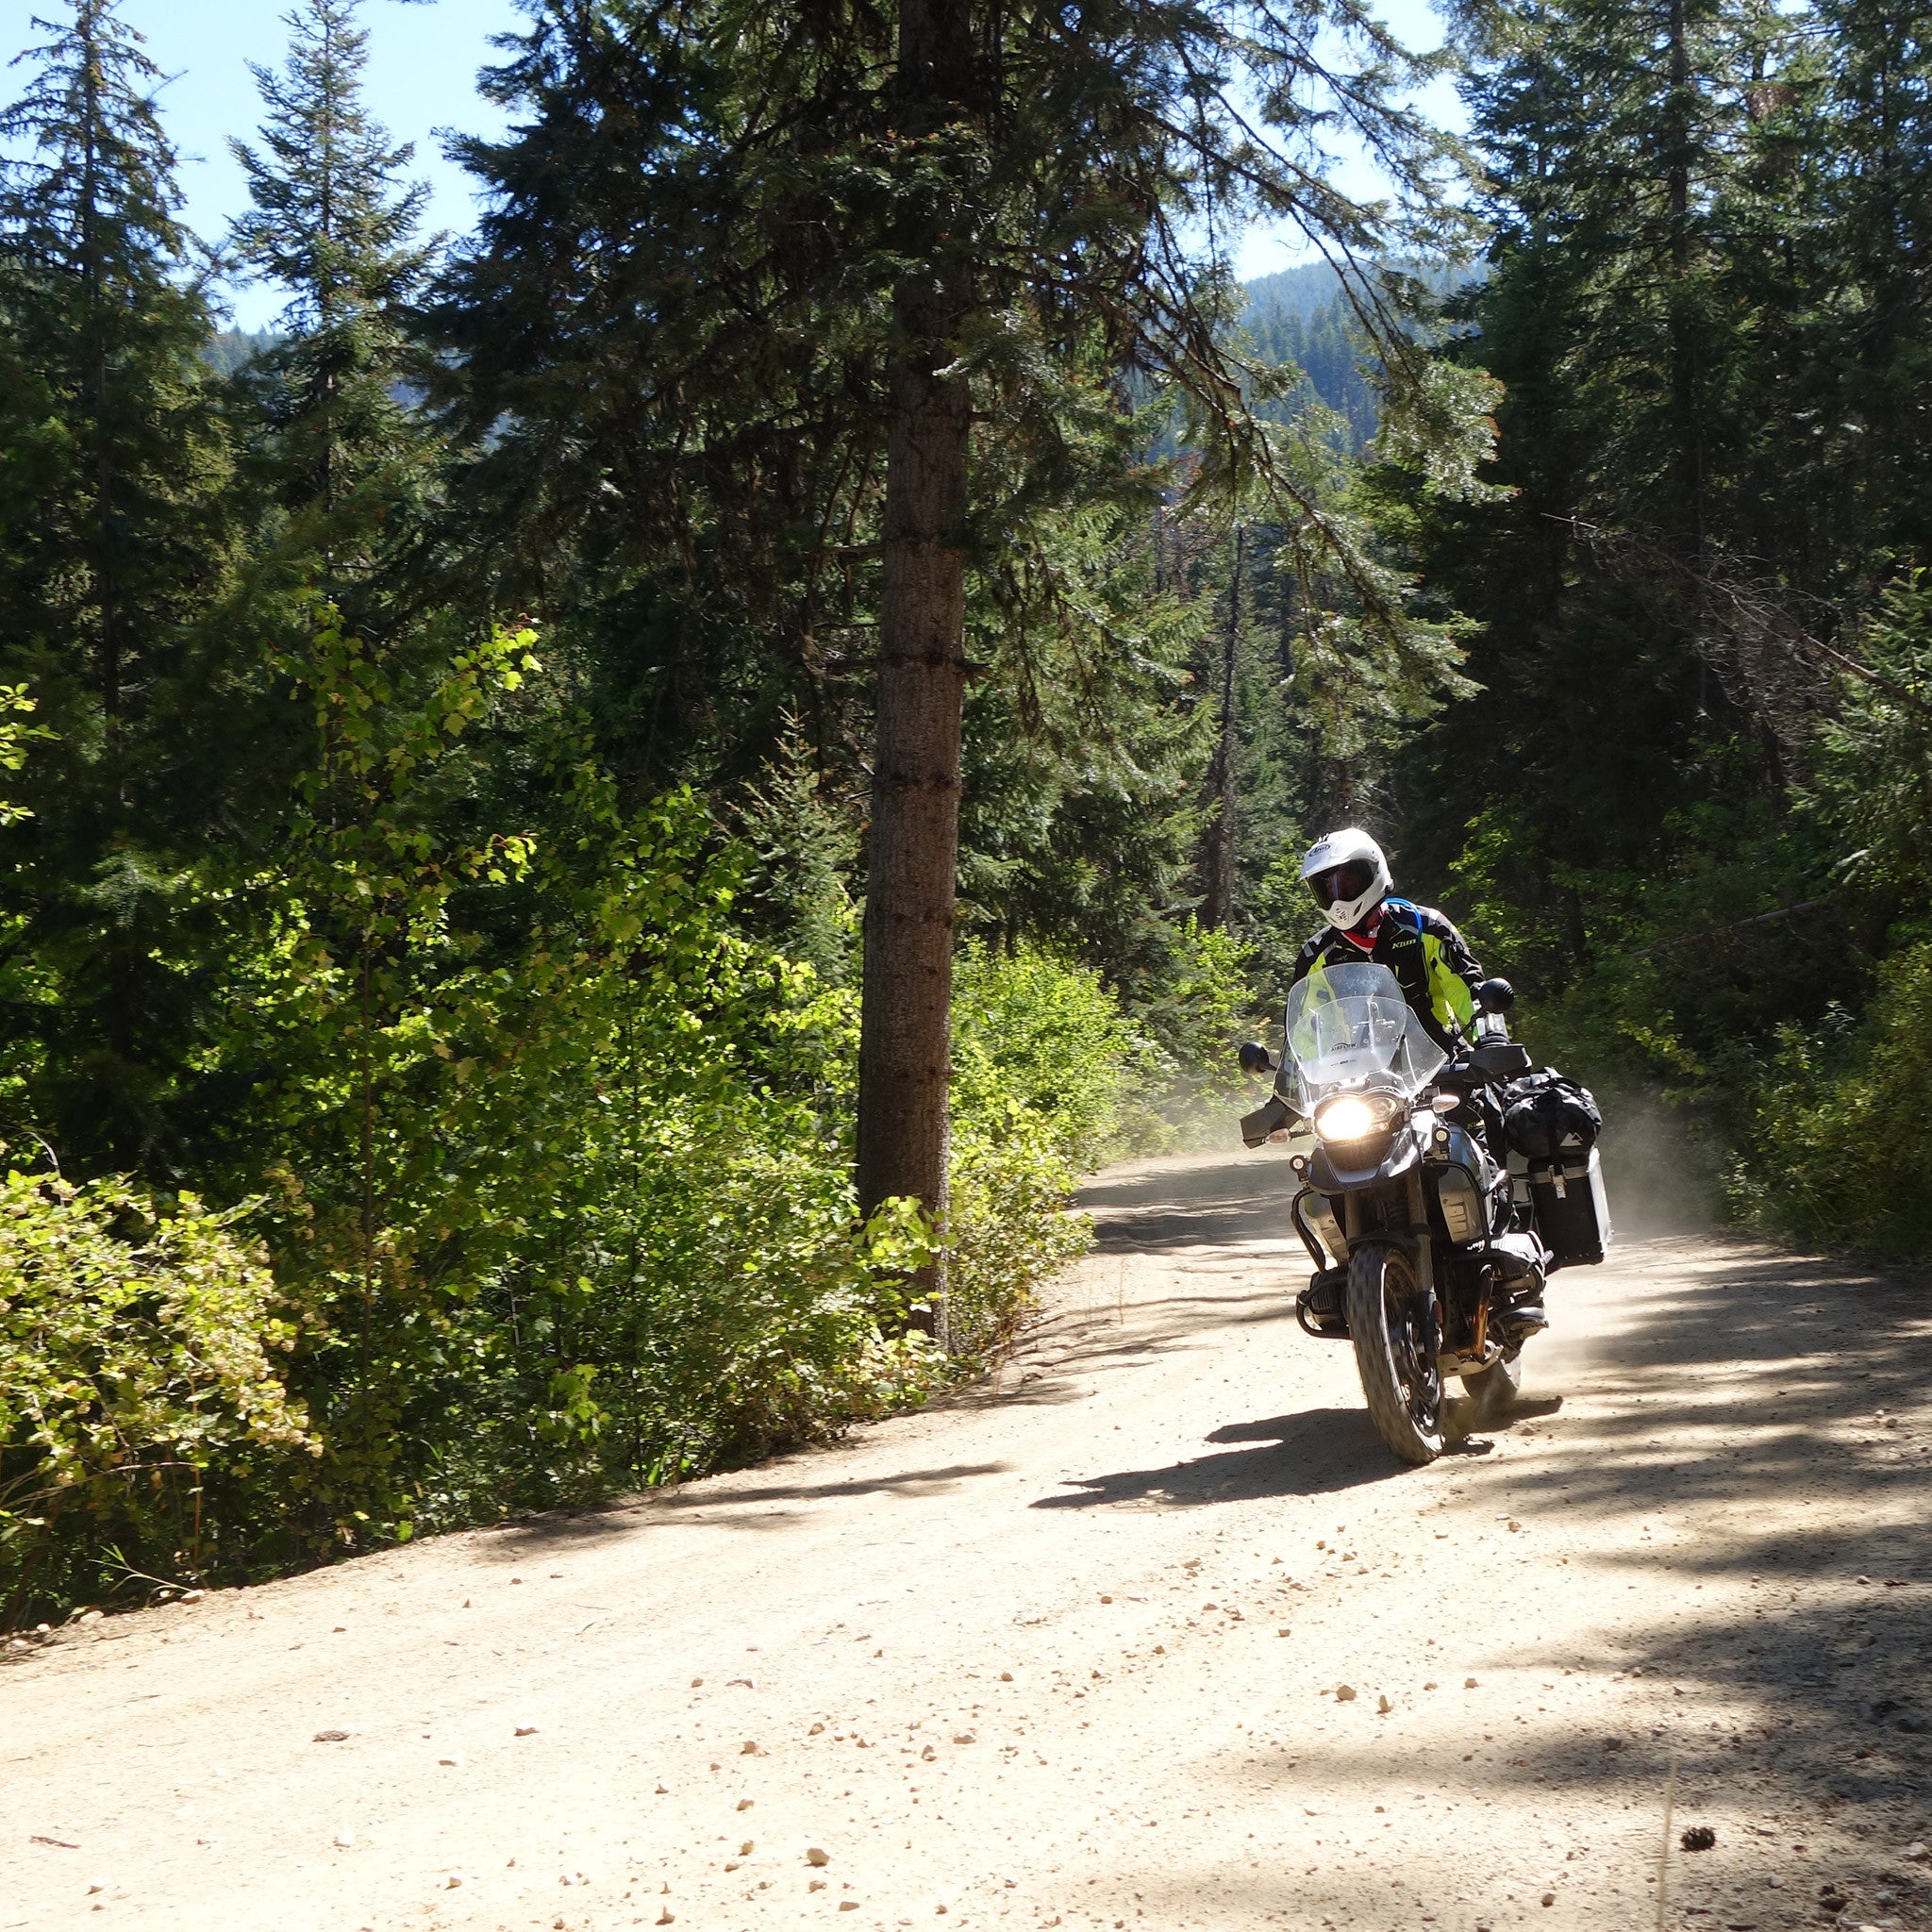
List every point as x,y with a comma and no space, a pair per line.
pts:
1393,1328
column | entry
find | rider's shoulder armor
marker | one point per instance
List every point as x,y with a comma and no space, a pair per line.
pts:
1312,949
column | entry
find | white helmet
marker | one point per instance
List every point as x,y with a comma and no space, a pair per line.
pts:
1348,875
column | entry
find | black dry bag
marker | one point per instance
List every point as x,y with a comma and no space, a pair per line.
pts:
1546,1117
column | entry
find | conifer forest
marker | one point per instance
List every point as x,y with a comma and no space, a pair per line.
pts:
602,821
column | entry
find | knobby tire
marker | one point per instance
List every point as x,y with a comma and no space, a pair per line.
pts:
1390,1324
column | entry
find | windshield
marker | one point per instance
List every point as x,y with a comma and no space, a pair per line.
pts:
1349,1026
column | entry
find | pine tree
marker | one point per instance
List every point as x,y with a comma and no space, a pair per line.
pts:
759,279
1616,133
1221,846
117,537
1624,313
1869,156
334,224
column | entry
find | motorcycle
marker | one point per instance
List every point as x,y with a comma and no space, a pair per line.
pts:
1426,1259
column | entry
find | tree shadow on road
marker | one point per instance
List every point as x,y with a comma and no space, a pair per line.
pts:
718,1499
1743,1447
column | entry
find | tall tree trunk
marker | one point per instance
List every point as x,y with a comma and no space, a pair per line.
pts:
1288,589
1685,385
904,1030
1217,907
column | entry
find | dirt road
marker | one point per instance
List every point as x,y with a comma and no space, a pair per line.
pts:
1072,1651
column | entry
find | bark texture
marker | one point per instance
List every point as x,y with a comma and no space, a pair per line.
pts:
905,1034
1219,857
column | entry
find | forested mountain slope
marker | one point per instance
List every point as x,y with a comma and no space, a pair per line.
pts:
1303,318
230,349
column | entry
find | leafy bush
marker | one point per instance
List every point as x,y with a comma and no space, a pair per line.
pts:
550,1163
139,1352
1046,1074
1839,1148
1034,1032
1190,1086
707,1292
1010,1226
560,1191
16,738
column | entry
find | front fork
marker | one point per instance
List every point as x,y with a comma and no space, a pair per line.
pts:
1415,1240
1424,1251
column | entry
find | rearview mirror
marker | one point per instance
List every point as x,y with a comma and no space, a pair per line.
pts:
1253,1057
1496,995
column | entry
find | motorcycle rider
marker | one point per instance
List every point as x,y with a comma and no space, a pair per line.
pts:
1348,874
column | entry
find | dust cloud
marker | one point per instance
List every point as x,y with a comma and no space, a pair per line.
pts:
1662,1178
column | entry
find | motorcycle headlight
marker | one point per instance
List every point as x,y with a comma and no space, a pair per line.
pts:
1352,1117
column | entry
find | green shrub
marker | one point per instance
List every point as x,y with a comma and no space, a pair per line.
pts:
1186,1088
140,1351
1841,1148
574,1220
551,1166
1047,1072
1009,1227
708,1293
1030,1030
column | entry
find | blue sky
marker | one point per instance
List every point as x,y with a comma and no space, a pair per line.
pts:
423,67
423,60
1264,249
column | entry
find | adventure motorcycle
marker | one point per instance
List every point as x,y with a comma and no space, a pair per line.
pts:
1430,1255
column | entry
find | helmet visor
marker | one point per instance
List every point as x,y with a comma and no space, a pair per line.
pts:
1341,883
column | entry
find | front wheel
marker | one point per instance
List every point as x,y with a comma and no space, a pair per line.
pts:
1394,1329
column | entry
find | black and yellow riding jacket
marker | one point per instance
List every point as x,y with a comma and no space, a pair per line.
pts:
1430,960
